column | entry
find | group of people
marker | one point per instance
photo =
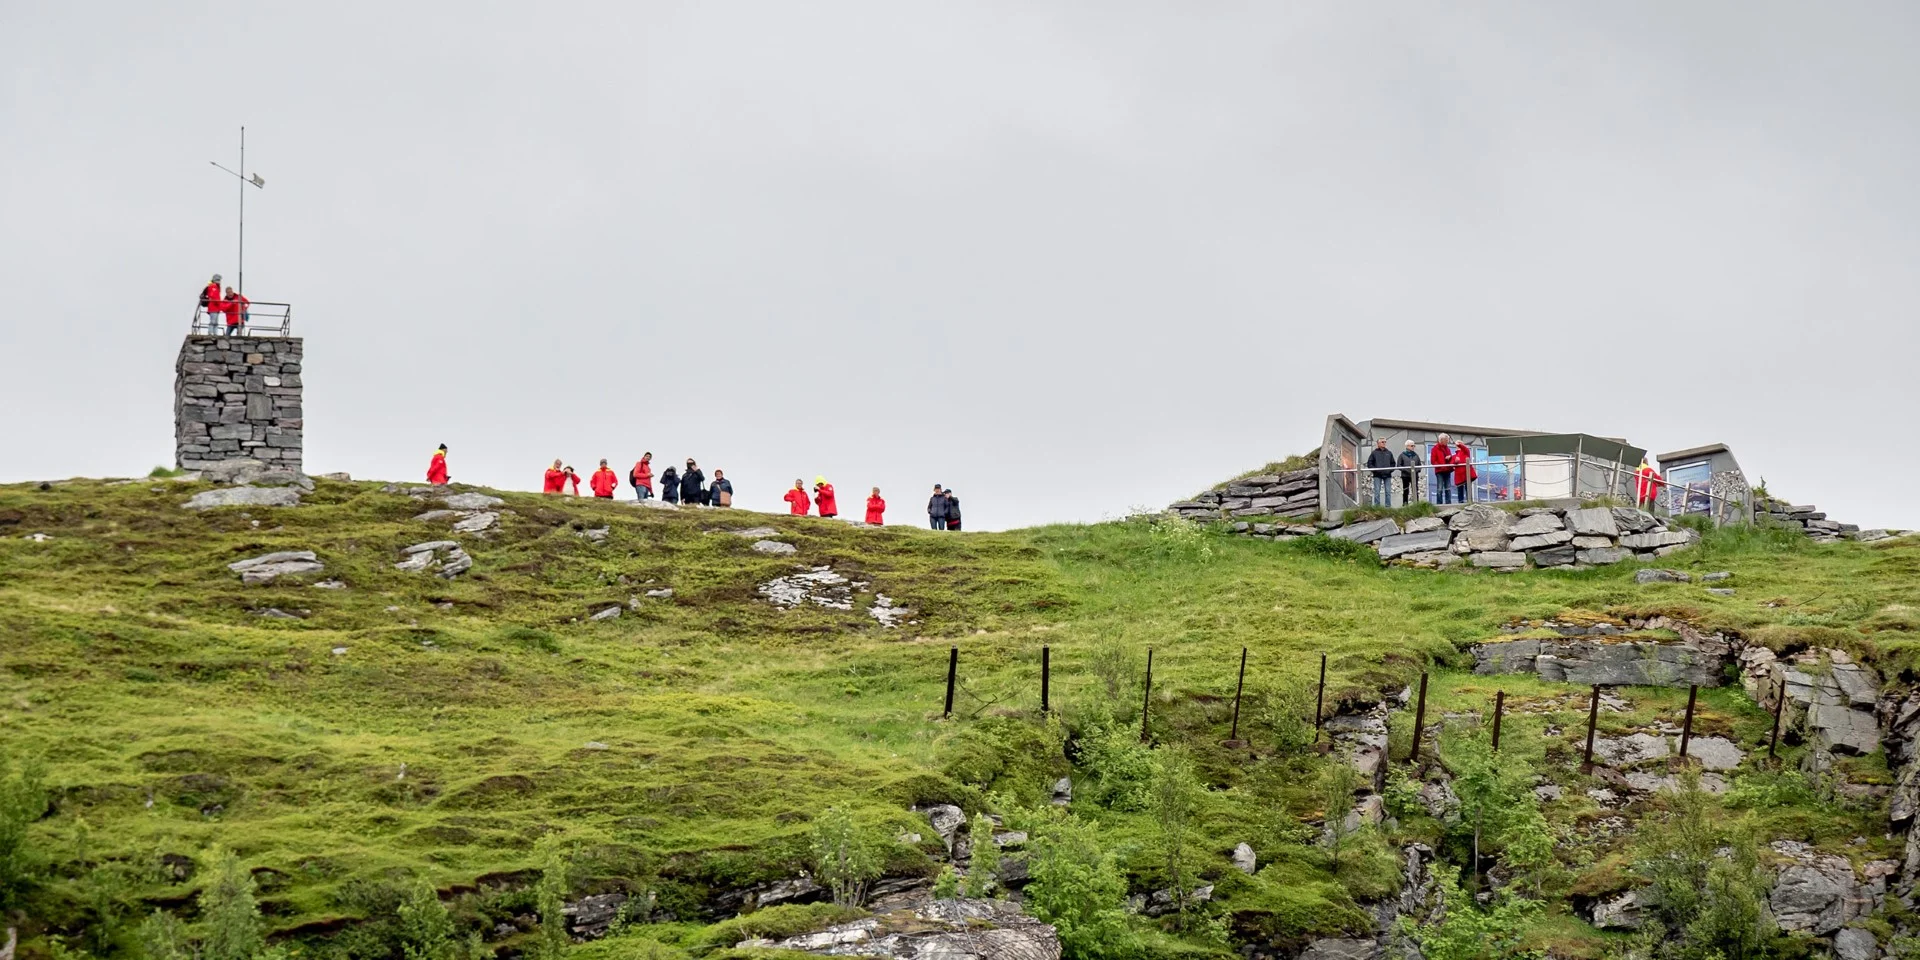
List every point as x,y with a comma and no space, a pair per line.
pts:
691,488
1453,471
230,305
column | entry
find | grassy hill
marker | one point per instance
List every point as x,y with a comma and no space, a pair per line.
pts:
404,726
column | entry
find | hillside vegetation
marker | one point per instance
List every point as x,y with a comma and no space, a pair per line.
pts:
468,732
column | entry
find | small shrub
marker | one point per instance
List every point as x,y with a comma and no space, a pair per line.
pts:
1179,539
1076,885
845,857
550,897
986,857
23,801
163,937
230,914
426,930
946,886
1121,766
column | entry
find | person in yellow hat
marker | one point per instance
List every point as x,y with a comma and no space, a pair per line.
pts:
823,497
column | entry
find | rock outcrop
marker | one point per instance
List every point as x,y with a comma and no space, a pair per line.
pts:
1609,660
267,568
937,930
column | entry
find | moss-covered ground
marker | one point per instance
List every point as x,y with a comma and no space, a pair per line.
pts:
405,725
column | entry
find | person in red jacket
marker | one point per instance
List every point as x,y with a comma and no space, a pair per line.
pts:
556,480
604,481
641,476
210,304
797,499
876,509
570,477
1438,458
1646,485
823,495
437,467
1463,474
233,307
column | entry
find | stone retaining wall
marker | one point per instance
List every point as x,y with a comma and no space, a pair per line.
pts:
237,398
1565,534
1290,495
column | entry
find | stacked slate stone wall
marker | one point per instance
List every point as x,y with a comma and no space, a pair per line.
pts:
237,398
1815,524
1289,495
1562,534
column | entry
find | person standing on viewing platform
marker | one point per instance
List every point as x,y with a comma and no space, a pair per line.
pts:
1463,474
231,306
1646,485
796,498
1440,459
937,509
823,496
693,489
641,476
1380,465
210,304
437,467
876,509
670,486
604,481
1409,469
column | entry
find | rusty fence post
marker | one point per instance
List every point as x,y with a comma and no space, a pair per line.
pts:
1779,707
1593,716
1146,697
1499,707
1686,726
953,667
1419,721
1046,676
1320,699
1237,687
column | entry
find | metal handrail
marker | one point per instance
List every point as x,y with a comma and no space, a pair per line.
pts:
1668,500
215,324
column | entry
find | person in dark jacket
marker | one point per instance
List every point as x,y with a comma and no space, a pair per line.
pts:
953,510
693,485
1380,465
721,493
670,485
937,508
1409,469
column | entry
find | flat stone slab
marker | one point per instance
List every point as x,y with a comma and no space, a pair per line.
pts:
1500,560
1715,753
1424,524
1629,750
1593,522
244,497
755,533
775,547
470,501
266,568
1660,576
1366,531
1536,525
1434,538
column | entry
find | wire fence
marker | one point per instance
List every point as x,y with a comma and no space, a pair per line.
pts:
1774,700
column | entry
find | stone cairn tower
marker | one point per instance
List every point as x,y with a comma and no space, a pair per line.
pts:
237,398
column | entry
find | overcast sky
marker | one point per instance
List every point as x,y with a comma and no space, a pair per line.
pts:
1067,258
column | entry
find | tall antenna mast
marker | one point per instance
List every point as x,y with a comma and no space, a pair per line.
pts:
240,280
